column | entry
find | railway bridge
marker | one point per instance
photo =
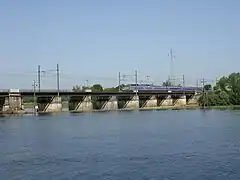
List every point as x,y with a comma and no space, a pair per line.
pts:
51,101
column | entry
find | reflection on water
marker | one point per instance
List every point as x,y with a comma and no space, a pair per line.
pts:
236,108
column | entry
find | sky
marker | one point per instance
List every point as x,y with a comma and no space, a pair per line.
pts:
93,40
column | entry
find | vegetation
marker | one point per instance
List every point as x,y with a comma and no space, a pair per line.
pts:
225,92
28,99
94,88
114,89
97,88
77,88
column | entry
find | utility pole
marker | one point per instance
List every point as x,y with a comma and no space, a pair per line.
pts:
58,80
119,82
39,78
172,56
136,80
184,84
204,94
45,71
34,92
34,95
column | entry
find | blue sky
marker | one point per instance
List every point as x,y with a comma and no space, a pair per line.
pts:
93,40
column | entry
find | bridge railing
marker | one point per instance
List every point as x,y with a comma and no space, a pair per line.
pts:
45,90
4,90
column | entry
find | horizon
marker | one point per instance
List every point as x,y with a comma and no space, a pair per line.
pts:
93,41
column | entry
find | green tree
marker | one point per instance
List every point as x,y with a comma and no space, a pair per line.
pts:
208,87
207,99
113,89
230,85
226,92
97,88
223,99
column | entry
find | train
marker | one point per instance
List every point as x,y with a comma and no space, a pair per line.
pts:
151,87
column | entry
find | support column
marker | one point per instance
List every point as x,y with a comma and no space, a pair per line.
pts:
181,101
133,103
151,102
55,105
4,105
15,102
12,103
168,101
81,104
193,101
111,104
50,104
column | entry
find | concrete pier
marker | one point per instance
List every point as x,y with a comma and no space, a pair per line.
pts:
180,101
49,104
110,104
80,104
150,101
132,103
2,103
167,101
12,103
107,103
193,100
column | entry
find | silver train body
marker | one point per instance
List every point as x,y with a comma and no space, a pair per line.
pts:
149,87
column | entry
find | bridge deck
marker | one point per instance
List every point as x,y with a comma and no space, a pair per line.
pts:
52,93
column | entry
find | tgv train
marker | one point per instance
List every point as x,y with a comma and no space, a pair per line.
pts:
151,87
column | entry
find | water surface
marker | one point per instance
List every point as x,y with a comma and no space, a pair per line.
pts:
184,144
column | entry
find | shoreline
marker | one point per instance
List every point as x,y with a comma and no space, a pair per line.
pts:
190,107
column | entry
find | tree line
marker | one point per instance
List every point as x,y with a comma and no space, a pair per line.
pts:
97,88
225,92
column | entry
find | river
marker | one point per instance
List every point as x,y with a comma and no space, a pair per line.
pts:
180,144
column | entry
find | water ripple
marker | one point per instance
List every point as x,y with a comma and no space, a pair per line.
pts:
143,145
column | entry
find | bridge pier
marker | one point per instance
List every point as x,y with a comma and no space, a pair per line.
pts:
180,101
49,104
132,103
105,103
110,104
3,103
12,103
149,101
193,100
80,104
167,101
